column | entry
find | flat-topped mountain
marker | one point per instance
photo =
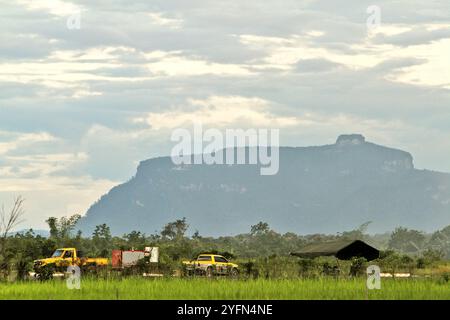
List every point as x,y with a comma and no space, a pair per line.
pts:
320,189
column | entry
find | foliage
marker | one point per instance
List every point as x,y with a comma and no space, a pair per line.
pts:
405,240
357,234
260,228
357,266
175,230
101,240
440,241
319,288
261,253
61,229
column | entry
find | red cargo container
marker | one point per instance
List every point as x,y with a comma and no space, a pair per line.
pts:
126,258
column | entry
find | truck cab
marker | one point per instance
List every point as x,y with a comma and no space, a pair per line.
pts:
64,257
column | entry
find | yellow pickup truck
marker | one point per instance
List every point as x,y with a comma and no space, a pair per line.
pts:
64,257
209,264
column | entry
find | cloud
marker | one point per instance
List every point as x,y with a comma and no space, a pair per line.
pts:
10,141
429,73
177,65
76,70
160,19
286,53
46,180
220,112
55,7
53,196
424,34
316,65
80,108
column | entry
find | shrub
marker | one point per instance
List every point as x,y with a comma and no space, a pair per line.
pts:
357,266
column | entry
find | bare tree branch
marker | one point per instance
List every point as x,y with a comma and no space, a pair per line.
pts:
8,221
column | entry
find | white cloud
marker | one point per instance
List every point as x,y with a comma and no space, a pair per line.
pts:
303,67
75,70
171,64
44,179
160,19
284,53
220,112
53,196
15,140
434,72
55,7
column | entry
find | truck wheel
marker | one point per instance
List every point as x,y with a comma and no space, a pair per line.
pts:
189,273
209,272
234,273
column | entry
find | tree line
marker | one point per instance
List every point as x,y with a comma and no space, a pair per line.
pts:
18,250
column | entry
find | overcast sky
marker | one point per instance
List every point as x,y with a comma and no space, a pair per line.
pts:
79,108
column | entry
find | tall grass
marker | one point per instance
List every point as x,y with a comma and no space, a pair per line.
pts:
206,289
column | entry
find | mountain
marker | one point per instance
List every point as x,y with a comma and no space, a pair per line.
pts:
320,189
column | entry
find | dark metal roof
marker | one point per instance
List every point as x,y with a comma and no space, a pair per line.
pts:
342,249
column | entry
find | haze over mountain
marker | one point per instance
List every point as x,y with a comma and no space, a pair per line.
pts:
319,189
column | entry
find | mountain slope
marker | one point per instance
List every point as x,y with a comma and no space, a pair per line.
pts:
327,188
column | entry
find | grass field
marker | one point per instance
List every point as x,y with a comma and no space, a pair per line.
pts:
205,289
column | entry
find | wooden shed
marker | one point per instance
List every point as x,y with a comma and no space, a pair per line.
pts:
341,249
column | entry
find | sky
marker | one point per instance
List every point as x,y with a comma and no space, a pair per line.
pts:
88,89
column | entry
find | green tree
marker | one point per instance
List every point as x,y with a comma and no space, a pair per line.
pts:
358,233
61,229
101,240
405,240
259,229
135,239
53,226
24,247
175,230
440,241
196,235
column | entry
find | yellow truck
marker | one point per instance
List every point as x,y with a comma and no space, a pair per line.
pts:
64,257
209,264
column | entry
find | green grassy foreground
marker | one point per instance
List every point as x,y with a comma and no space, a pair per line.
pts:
139,288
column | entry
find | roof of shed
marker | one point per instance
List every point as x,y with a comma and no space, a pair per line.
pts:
329,248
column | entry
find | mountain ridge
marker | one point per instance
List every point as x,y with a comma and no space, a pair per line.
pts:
318,189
